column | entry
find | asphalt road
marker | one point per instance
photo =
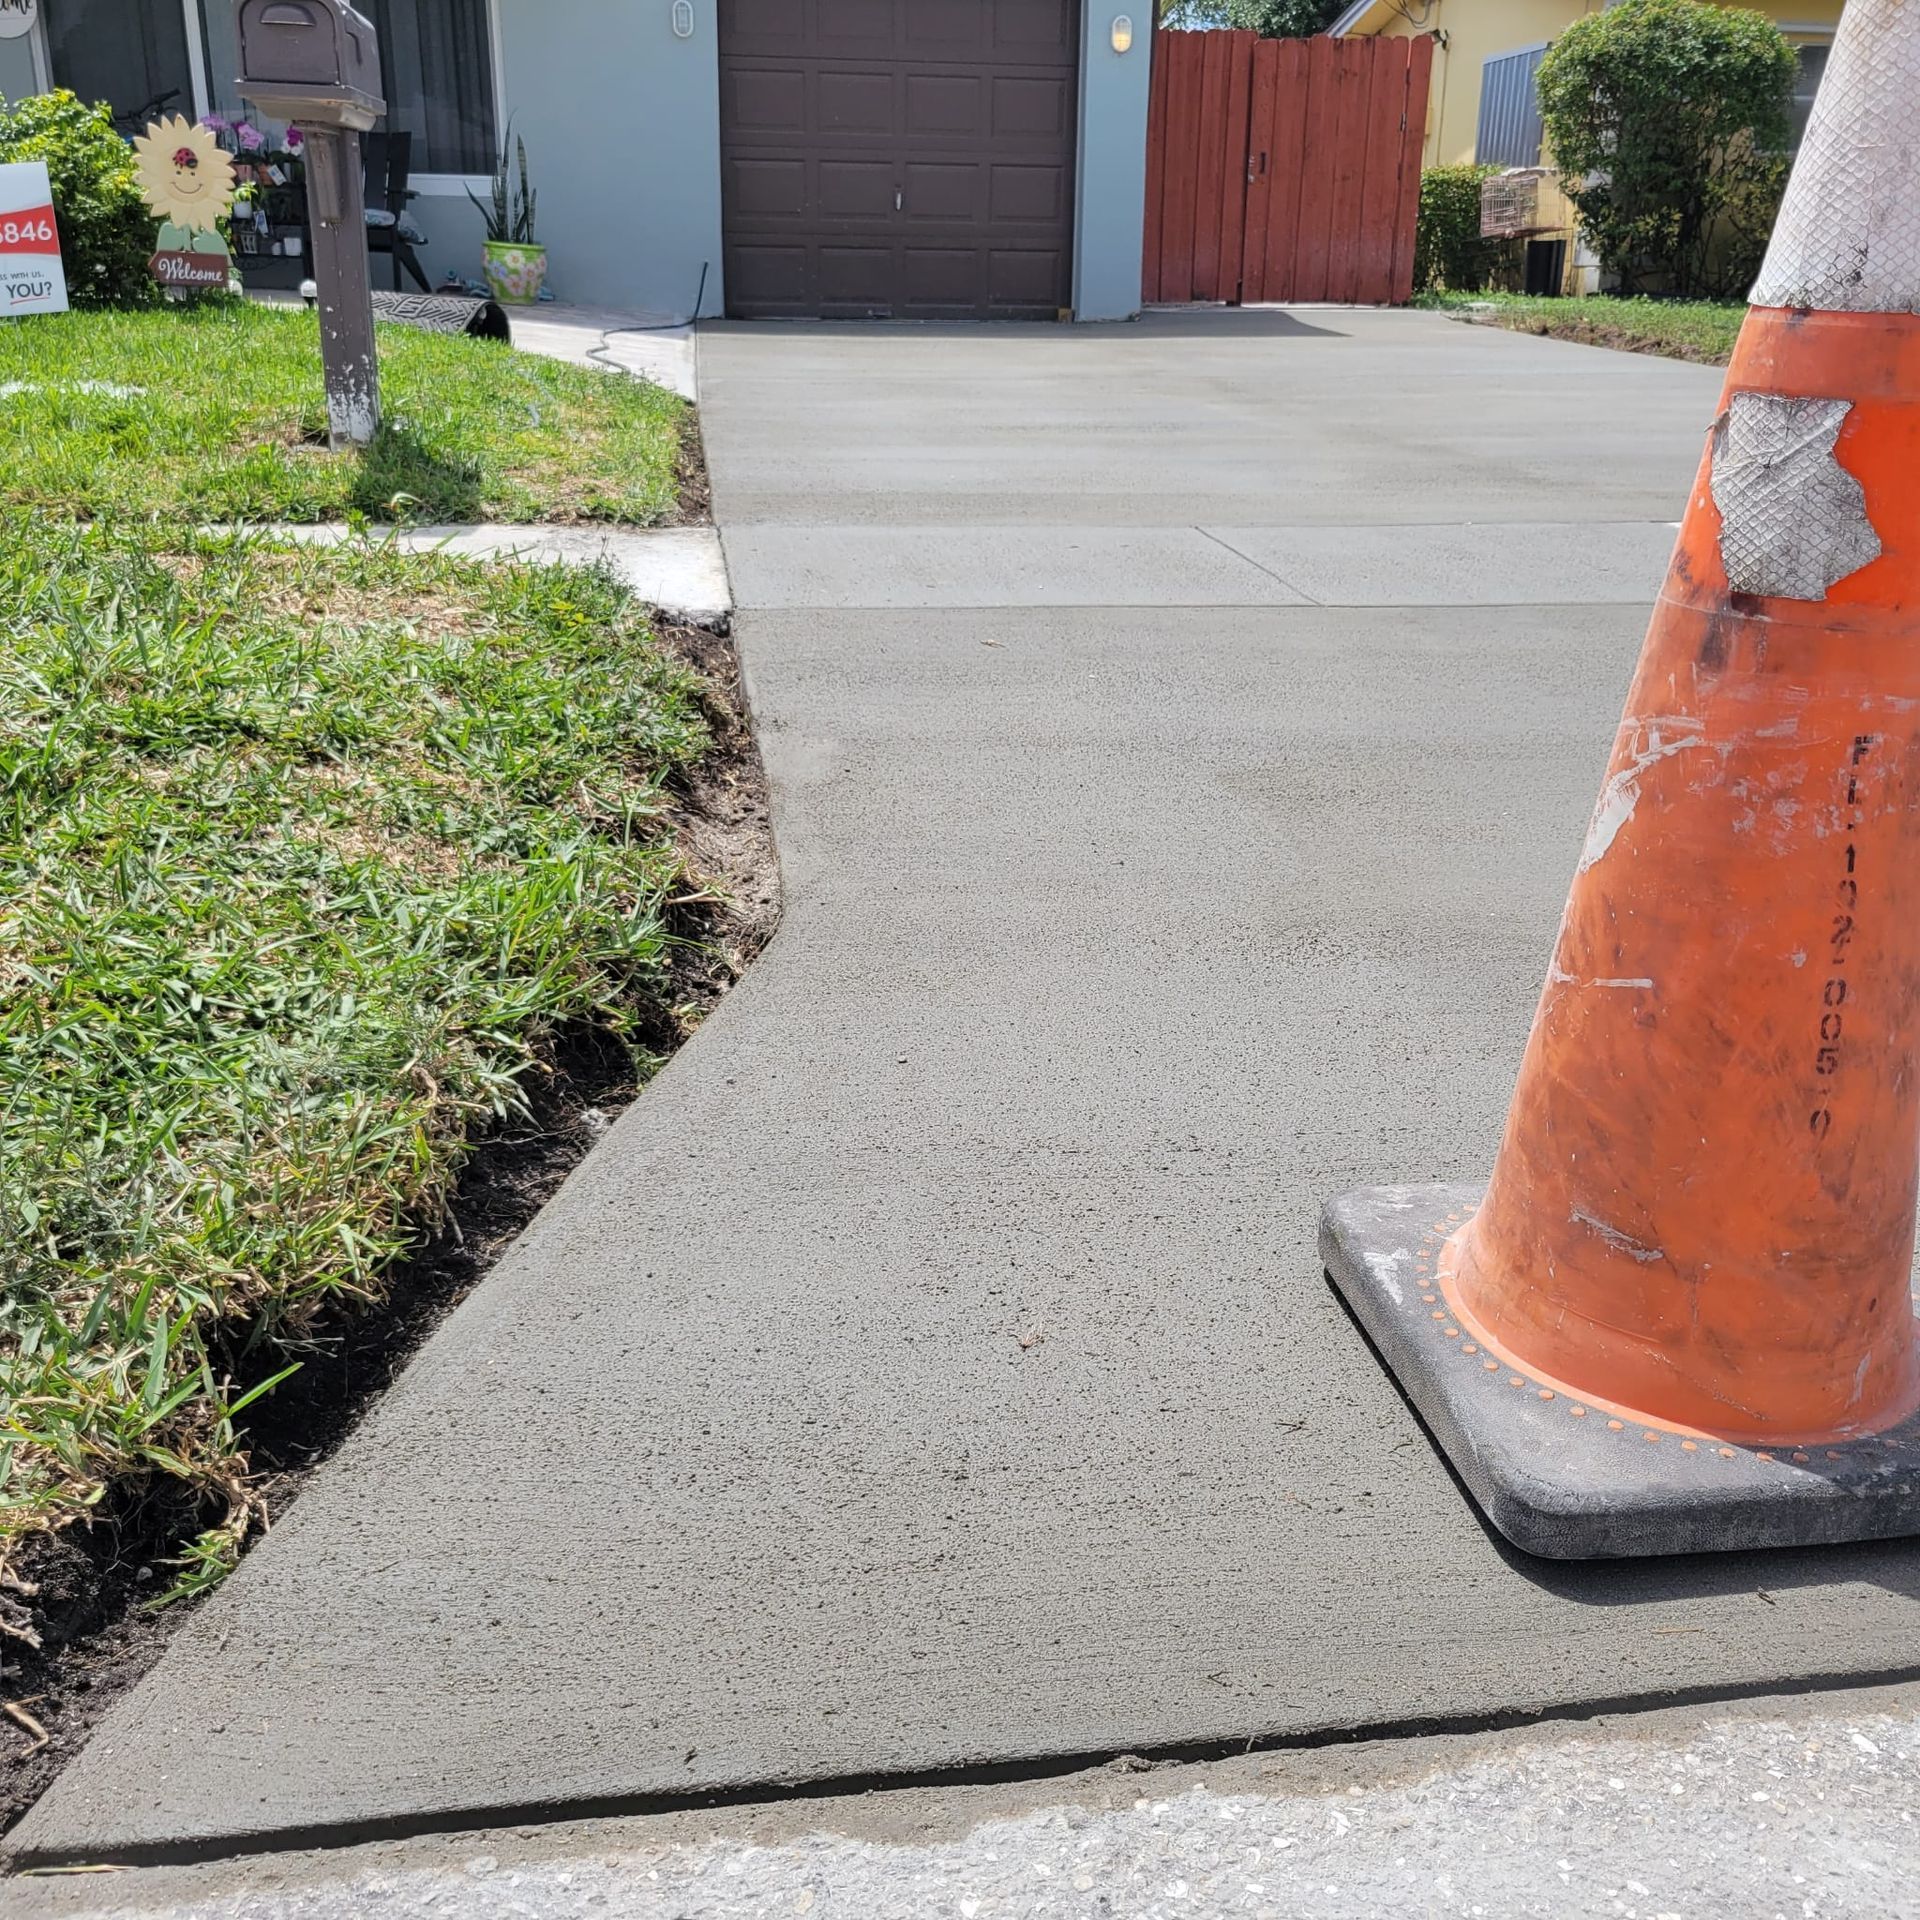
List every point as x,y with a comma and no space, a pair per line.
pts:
1780,1810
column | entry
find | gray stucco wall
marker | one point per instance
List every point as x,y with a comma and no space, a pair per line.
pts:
622,125
1112,175
16,69
454,231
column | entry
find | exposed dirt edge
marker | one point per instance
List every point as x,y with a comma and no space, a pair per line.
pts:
97,1637
690,475
1599,333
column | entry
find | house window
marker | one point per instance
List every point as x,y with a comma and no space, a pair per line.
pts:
436,62
1509,134
1806,83
130,53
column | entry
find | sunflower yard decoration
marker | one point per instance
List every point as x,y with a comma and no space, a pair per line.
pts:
187,180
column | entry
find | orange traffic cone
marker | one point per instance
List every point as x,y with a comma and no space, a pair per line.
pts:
1680,1316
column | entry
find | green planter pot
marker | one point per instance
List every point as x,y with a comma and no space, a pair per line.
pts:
515,271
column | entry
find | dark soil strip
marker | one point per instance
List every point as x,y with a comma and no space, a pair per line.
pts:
98,1638
690,475
1604,333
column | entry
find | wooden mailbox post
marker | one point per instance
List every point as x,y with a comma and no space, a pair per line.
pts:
317,62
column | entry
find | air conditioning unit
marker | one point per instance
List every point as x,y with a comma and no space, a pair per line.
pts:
1513,204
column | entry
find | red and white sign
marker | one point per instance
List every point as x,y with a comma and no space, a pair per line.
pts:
32,278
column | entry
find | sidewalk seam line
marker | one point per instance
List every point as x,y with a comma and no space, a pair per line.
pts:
1310,599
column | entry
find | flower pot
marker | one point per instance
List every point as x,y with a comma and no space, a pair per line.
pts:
515,271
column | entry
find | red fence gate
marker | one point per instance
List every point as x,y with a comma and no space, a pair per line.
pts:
1284,169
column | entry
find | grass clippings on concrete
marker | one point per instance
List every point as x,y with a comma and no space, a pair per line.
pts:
215,412
307,861
1698,330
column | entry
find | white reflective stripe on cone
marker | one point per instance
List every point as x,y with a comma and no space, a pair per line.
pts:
1848,236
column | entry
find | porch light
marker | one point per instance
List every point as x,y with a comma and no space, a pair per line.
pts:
683,19
1121,33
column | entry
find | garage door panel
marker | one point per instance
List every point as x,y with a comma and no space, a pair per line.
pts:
915,156
770,25
1022,278
943,190
1036,194
842,25
765,99
1032,28
946,103
853,102
857,276
777,275
770,188
855,189
1030,107
947,29
943,277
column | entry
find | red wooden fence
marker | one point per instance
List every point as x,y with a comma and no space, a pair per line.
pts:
1284,169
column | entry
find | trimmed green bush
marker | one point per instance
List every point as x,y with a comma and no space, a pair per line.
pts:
106,232
1447,248
1668,121
1284,19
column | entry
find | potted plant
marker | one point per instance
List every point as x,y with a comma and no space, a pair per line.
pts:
516,264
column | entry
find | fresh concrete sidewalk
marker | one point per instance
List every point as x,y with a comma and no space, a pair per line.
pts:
680,570
935,1367
647,344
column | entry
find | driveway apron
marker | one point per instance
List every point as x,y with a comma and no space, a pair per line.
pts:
1180,738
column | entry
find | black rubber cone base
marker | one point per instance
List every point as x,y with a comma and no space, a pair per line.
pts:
1571,1481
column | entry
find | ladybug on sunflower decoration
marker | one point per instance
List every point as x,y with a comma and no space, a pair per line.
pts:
187,180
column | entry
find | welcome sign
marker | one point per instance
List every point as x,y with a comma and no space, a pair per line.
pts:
32,278
16,18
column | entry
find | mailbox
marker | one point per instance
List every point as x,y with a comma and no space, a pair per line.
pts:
316,62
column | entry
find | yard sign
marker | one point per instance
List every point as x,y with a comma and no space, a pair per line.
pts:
187,179
32,279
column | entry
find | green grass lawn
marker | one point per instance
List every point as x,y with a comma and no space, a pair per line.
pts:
215,412
1679,329
305,860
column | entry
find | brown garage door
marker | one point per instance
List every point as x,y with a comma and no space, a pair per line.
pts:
898,158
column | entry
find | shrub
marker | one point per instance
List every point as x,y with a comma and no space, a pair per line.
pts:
1447,248
106,232
1284,19
1668,120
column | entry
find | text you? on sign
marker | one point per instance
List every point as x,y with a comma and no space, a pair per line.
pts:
32,278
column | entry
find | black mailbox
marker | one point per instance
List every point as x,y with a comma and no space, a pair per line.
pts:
313,61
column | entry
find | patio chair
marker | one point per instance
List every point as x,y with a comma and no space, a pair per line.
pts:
389,160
